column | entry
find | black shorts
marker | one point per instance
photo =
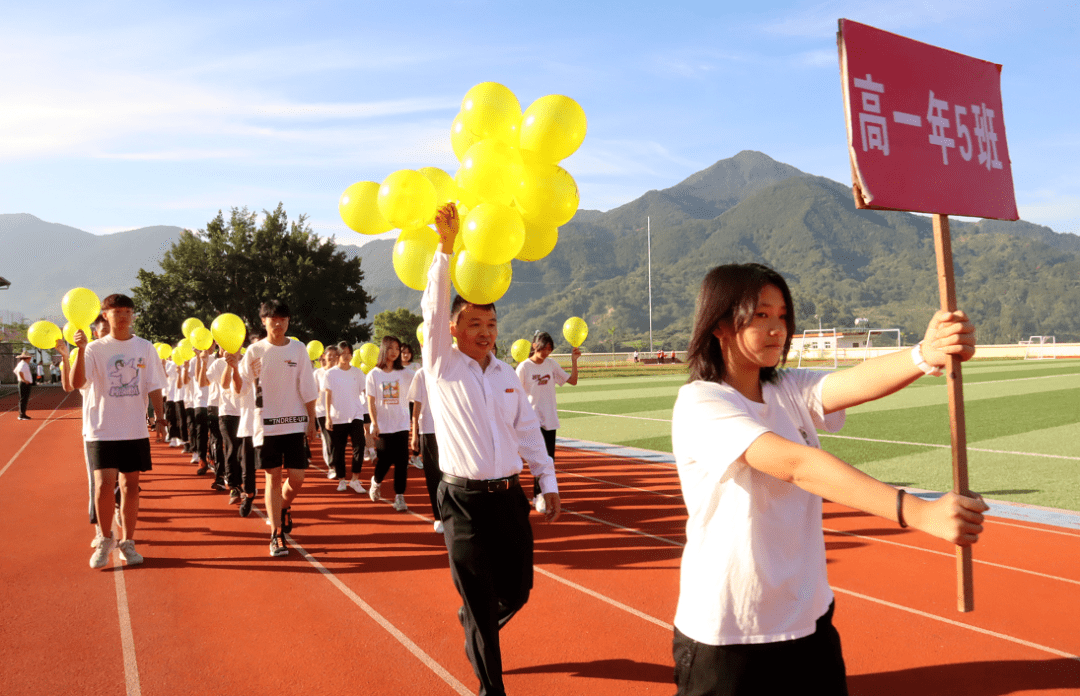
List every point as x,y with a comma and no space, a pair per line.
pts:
126,456
288,451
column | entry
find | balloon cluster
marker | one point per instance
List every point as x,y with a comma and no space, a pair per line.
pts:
575,331
366,357
510,191
81,307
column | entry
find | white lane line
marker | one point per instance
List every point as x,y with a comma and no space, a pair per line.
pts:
951,555
959,624
48,419
604,598
619,526
390,628
1036,529
127,637
615,415
883,602
620,485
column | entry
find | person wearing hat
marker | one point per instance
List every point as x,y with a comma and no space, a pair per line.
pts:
26,381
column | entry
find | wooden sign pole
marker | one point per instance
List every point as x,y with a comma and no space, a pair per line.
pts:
965,584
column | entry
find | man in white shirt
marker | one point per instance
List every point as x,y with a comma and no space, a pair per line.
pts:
486,427
285,393
26,382
124,372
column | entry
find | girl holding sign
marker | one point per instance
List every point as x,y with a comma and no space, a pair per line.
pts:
755,609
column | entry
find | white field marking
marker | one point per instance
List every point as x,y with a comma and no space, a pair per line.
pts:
959,624
619,526
883,602
48,419
390,628
952,555
127,638
870,439
1036,529
604,598
620,485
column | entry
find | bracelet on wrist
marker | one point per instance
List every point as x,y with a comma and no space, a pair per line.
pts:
900,507
920,362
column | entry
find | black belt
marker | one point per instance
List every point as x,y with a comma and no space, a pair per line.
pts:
486,485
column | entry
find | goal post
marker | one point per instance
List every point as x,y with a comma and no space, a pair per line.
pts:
1039,348
830,349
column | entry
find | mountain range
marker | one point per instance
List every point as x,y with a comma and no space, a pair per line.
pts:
1015,278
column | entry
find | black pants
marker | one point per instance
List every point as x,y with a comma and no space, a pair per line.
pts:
181,420
215,447
170,420
24,396
230,447
549,442
339,438
814,664
394,450
201,432
247,466
490,545
192,438
429,453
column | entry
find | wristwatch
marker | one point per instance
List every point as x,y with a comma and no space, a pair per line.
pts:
920,362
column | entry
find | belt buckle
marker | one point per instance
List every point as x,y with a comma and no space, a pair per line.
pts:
496,485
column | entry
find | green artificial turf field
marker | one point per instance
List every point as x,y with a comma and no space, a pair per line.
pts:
1023,428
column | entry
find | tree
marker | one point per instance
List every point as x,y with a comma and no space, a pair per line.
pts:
399,323
236,265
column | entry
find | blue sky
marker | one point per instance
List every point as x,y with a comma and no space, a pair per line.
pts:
118,115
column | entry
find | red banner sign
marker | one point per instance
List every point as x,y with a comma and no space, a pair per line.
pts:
925,127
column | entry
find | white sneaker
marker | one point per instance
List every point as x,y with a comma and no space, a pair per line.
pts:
540,504
374,493
399,503
415,462
105,545
356,486
342,485
331,474
195,458
438,527
128,552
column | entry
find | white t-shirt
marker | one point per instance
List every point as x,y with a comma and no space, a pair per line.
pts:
22,367
169,393
287,383
418,392
389,391
539,383
412,367
227,401
245,401
753,569
320,382
121,375
347,397
213,389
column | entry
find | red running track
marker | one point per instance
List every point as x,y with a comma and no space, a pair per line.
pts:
364,603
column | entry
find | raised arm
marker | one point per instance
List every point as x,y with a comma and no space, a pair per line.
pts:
574,355
949,333
435,303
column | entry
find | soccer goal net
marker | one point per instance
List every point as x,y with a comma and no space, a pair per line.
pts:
1039,348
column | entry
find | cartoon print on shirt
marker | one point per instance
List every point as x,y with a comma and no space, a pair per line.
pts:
541,380
390,393
124,378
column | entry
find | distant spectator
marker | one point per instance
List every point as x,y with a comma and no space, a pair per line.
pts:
26,382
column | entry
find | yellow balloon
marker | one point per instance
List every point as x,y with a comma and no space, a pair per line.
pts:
407,199
229,331
44,334
69,332
412,255
491,111
366,367
539,241
359,209
493,233
356,361
446,189
480,283
315,349
73,355
461,138
164,350
184,350
369,353
575,330
487,171
420,334
546,194
81,306
553,127
201,338
189,325
520,350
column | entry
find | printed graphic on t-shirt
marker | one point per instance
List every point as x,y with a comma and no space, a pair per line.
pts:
124,376
390,393
541,380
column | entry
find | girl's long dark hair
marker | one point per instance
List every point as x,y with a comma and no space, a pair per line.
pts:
729,296
386,342
540,339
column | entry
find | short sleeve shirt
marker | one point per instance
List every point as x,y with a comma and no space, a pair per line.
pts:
389,391
120,375
539,383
